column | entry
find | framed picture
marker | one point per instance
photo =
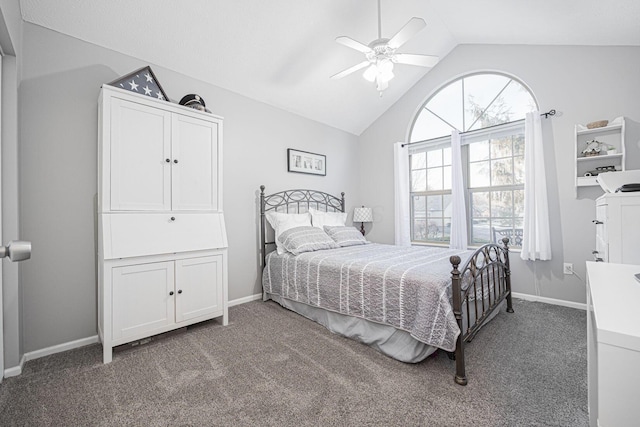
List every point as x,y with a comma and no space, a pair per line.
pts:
141,81
304,162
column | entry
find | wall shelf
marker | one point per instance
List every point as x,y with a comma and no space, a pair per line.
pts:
586,167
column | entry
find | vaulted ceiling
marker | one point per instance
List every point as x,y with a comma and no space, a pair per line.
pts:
282,52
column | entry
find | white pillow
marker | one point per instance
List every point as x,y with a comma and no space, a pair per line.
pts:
283,221
320,218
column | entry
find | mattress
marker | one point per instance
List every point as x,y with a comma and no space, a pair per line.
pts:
407,288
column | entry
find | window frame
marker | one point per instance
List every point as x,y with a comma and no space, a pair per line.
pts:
511,128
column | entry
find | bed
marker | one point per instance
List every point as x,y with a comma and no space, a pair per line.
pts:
406,302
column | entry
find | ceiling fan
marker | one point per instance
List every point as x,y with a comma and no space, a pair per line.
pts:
381,53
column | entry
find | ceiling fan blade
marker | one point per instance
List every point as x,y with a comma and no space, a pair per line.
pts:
409,30
411,59
353,44
348,71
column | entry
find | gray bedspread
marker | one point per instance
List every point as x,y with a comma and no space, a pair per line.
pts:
405,287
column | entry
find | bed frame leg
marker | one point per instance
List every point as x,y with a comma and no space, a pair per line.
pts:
460,377
505,242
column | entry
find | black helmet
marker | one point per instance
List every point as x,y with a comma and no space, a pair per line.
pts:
194,101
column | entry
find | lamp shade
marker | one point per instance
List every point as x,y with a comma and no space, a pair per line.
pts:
363,214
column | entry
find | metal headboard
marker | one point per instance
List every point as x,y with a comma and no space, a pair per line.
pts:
294,201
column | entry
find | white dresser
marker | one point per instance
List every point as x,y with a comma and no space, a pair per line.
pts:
162,243
613,344
618,228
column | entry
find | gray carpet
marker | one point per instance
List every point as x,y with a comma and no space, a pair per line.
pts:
272,367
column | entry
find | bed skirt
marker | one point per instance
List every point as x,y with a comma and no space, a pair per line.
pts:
388,340
393,342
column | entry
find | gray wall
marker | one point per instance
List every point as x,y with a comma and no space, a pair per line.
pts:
583,84
58,119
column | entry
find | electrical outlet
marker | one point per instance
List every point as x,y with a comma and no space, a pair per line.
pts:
568,268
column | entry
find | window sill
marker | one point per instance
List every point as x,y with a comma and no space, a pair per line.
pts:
516,249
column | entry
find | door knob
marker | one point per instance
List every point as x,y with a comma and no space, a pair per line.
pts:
16,250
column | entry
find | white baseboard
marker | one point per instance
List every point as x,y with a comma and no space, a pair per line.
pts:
527,297
16,370
244,300
61,347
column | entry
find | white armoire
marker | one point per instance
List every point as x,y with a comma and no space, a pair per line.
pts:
162,243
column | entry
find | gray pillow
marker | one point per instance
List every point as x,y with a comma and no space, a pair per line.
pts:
305,239
345,236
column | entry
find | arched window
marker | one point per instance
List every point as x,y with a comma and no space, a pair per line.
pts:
488,110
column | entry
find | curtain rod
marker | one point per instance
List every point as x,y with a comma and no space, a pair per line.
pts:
546,115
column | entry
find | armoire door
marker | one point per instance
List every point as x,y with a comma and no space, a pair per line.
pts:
140,157
143,299
195,172
198,287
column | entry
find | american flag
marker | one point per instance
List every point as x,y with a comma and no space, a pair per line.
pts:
141,81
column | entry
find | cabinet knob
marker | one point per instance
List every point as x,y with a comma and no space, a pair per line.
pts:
170,293
596,222
175,161
167,160
173,218
179,291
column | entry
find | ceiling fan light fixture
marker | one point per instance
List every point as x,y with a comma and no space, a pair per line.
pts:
370,73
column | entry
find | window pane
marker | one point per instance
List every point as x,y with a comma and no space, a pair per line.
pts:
502,228
446,231
446,204
435,229
418,161
446,155
419,180
434,206
446,183
420,229
501,172
479,91
501,204
434,179
428,126
447,103
480,204
419,206
501,148
480,231
518,170
518,145
479,151
518,203
434,158
479,174
519,100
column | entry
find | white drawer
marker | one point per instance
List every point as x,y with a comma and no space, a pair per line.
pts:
140,234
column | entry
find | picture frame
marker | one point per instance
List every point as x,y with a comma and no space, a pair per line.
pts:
304,162
142,81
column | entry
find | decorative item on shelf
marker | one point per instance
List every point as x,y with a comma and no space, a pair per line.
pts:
611,150
597,124
141,81
600,170
362,215
304,162
593,148
194,101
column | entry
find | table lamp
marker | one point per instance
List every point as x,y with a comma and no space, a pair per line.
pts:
362,215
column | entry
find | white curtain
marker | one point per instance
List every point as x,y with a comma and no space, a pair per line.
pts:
536,238
401,189
458,208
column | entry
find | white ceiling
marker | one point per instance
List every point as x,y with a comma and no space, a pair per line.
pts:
282,52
